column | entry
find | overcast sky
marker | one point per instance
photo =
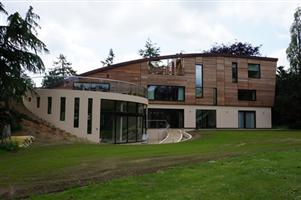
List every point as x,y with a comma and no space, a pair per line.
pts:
84,31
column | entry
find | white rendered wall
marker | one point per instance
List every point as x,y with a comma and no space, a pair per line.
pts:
67,125
226,116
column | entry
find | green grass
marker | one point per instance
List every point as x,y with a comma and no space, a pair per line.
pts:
50,168
262,176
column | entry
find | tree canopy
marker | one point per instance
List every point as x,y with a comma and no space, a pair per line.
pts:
294,50
19,49
62,69
236,48
109,60
287,108
150,50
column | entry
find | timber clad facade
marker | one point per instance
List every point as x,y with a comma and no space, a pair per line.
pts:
217,74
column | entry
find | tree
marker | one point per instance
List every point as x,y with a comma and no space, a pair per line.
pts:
19,48
109,60
151,50
287,108
62,69
294,50
237,48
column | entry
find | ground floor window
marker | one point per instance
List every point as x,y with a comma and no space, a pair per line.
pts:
157,118
122,122
246,119
205,119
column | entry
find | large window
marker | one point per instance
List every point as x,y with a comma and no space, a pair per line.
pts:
247,95
246,119
76,113
159,118
122,122
92,86
49,105
166,93
234,72
199,80
63,109
254,70
89,120
205,118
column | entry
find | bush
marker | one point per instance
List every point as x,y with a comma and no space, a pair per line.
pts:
9,146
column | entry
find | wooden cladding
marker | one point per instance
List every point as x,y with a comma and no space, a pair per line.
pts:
218,84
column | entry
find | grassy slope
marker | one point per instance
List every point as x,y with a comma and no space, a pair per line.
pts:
42,169
261,176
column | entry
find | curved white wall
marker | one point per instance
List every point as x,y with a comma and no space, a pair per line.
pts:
67,125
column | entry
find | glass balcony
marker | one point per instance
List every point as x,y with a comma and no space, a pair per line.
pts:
103,85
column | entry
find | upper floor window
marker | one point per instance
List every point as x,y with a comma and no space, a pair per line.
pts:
199,80
167,67
166,93
234,72
247,95
92,86
254,70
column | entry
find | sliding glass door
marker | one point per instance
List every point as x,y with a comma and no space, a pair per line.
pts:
246,119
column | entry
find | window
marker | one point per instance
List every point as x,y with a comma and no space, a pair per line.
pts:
160,118
89,121
76,113
122,121
246,119
254,70
38,102
63,109
167,67
92,86
215,96
199,80
234,72
247,95
49,105
205,119
166,93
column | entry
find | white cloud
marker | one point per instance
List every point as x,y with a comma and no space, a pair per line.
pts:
85,31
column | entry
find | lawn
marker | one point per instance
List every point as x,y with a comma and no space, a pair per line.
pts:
219,164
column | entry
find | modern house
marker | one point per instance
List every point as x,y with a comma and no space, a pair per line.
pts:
192,91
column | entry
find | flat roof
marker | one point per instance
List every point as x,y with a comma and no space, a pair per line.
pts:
180,55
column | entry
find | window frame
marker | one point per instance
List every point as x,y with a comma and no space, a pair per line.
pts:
176,86
246,90
259,71
234,79
202,81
